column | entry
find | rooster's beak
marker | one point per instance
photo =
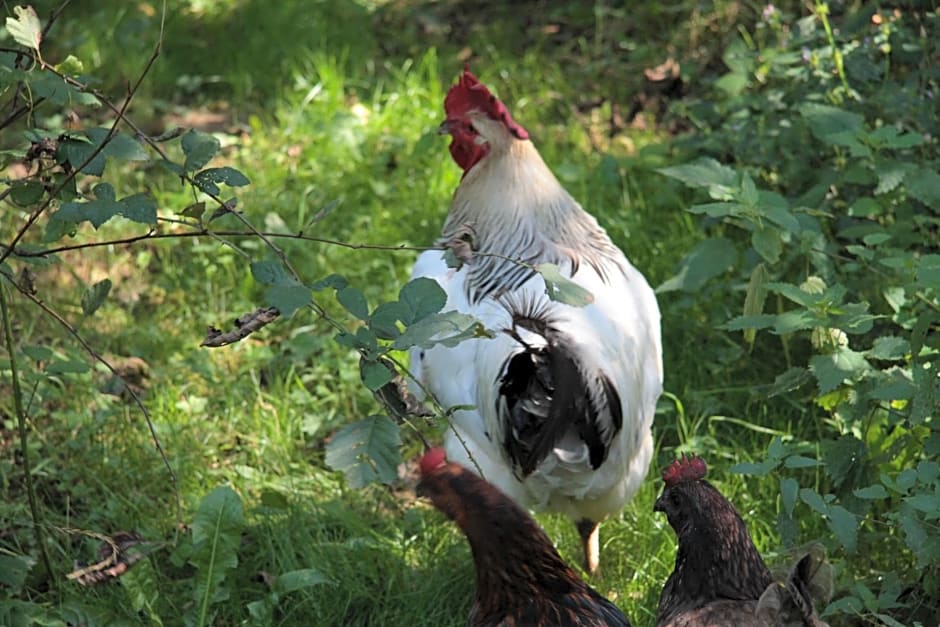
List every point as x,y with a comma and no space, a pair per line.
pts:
659,505
446,127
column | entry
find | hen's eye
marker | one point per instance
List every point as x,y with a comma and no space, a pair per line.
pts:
470,128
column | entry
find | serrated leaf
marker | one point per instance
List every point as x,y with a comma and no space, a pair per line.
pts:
705,172
94,296
928,271
831,370
121,146
216,531
872,492
423,297
707,260
374,374
139,208
889,347
844,525
831,124
816,502
25,27
890,176
799,461
766,241
924,185
299,579
562,289
754,299
366,451
199,149
271,272
788,381
354,301
208,180
288,298
788,493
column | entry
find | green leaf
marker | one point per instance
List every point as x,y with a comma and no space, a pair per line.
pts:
423,297
366,451
872,492
70,366
335,281
754,299
790,380
830,124
384,319
271,272
199,149
799,461
25,28
26,193
138,208
766,241
448,328
354,301
705,172
890,176
831,370
844,525
299,579
928,271
93,297
777,210
889,347
562,289
13,570
924,185
816,502
216,532
208,180
37,352
288,298
788,493
707,260
374,374
121,147
757,469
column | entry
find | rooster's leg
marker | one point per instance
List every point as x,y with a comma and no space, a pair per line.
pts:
588,529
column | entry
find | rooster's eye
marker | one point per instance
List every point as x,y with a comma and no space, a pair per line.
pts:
470,128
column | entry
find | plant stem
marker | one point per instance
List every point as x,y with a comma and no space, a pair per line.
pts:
24,436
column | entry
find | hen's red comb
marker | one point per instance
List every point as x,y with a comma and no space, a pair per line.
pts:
685,468
434,458
469,94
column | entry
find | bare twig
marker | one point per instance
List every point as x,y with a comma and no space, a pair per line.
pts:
24,435
203,232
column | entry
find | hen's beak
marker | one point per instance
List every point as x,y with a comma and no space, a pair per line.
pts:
446,127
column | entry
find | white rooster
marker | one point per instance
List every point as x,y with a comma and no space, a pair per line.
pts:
563,397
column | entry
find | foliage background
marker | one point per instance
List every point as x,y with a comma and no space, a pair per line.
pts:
782,192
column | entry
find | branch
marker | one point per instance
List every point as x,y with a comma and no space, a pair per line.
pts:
152,235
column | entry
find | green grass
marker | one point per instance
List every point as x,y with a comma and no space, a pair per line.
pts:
337,103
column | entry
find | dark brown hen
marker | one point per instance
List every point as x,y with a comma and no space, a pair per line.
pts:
719,575
520,578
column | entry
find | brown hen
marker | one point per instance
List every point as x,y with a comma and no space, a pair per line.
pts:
520,578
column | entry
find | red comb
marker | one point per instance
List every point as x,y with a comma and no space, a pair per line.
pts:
470,94
686,468
434,458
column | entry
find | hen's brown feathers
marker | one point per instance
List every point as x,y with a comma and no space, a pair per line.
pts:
520,578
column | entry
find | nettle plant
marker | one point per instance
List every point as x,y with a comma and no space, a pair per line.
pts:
822,201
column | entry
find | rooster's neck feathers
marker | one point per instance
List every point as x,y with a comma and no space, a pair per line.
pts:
516,208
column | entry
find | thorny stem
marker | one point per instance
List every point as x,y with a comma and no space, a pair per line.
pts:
24,436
